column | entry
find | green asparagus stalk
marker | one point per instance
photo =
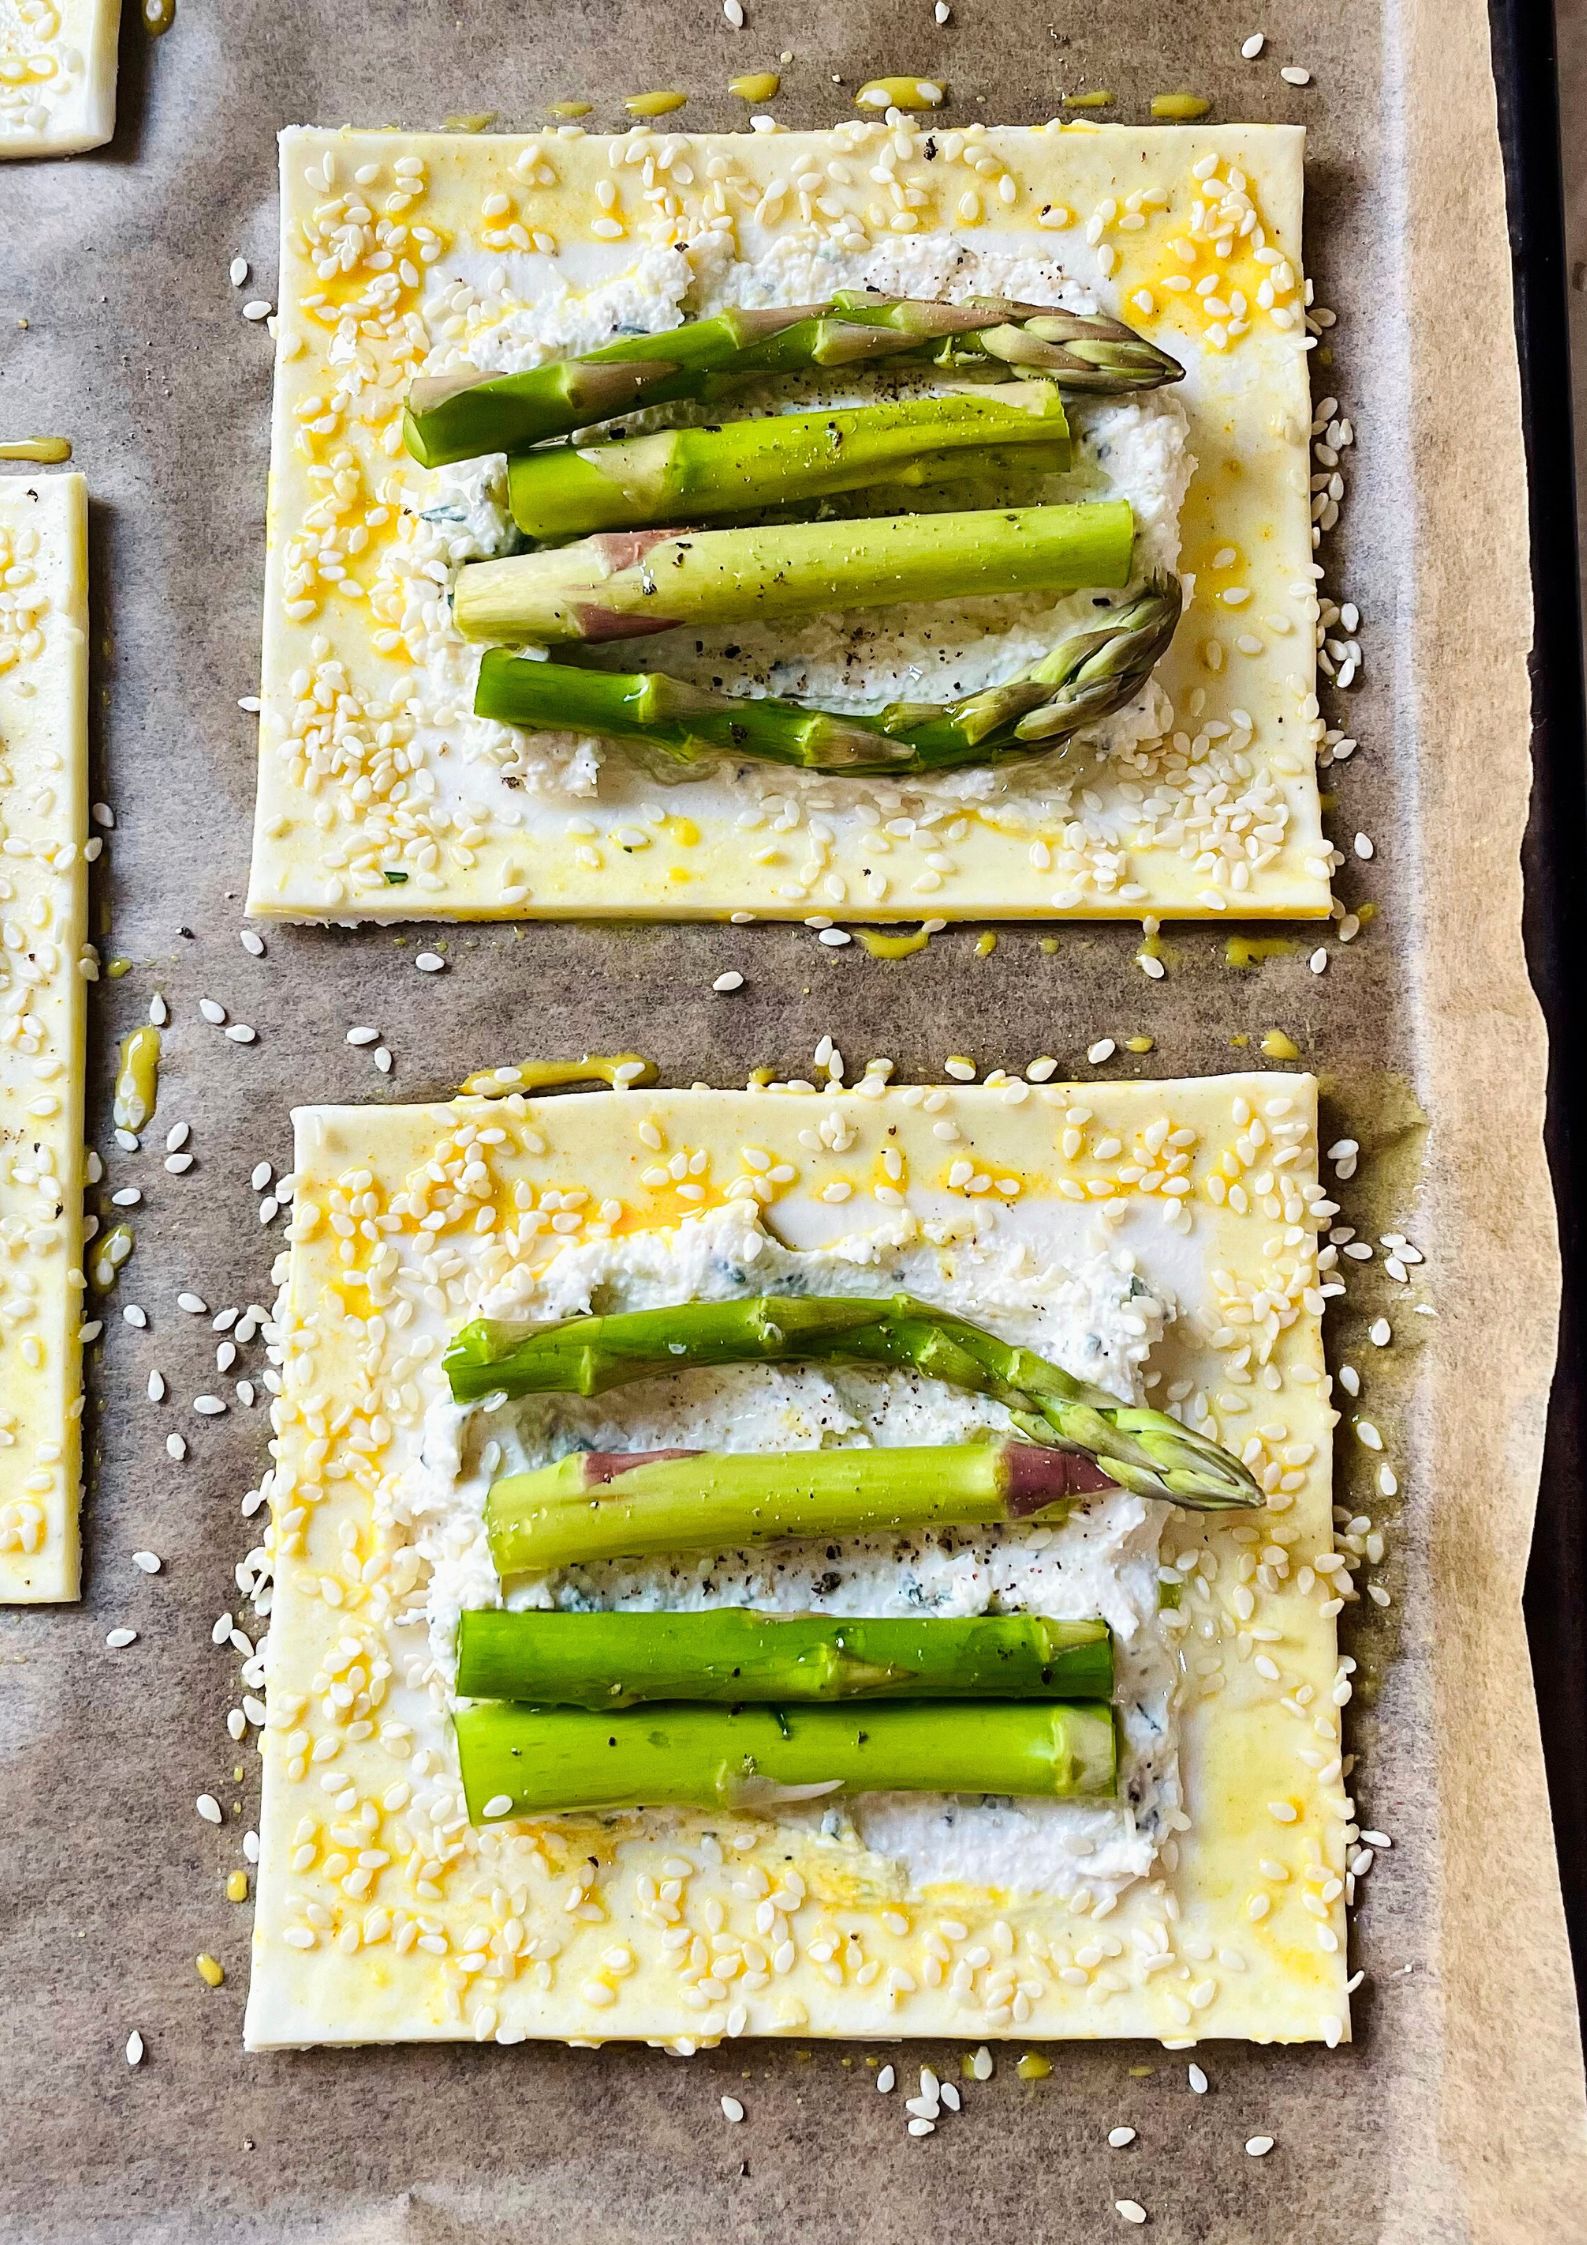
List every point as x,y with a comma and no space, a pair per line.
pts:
535,1761
457,417
1139,1448
731,1654
740,467
599,1504
1089,674
623,584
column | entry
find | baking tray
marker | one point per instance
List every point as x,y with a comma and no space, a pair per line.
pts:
1457,2113
1526,72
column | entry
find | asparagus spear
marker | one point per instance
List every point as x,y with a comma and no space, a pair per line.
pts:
626,583
596,1504
532,1761
1089,674
1141,1449
731,1654
457,417
741,466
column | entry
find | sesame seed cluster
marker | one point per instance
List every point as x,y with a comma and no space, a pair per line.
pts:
44,959
383,1913
436,254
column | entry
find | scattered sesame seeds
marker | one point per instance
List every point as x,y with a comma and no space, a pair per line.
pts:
499,1804
1294,74
194,1304
256,308
175,1447
238,271
252,942
208,1808
885,2080
1252,47
834,938
363,1036
1363,846
134,2048
734,12
118,1639
731,2108
212,1011
240,1033
208,1406
156,1387
159,1011
429,962
1119,2137
261,1176
1380,1332
731,980
148,1561
1197,2080
179,1164
1102,1050
1130,2210
1259,2146
959,1068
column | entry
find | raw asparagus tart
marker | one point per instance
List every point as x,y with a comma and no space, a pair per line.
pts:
955,571
44,887
784,1513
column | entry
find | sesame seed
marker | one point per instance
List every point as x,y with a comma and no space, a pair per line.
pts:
156,1387
734,12
148,1561
261,1176
208,1808
731,2108
252,942
959,1068
1363,846
921,2126
1252,47
1318,962
942,11
128,1197
135,1316
1119,2137
885,2080
1130,2209
134,2048
208,1406
1259,2146
1294,75
363,1036
499,1804
834,938
194,1304
429,962
118,1638
1367,1435
1043,1070
159,1011
731,980
175,1447
1197,2080
179,1164
383,1059
240,1033
1380,1332
212,1011
238,271
177,1137
256,309
1103,1049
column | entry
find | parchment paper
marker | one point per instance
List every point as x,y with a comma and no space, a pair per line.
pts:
1457,2114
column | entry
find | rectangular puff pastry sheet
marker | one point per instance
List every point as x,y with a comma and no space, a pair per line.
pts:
398,249
377,1924
43,919
57,76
